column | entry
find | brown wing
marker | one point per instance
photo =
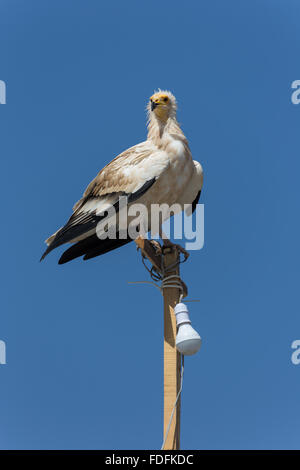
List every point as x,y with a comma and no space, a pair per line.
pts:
132,173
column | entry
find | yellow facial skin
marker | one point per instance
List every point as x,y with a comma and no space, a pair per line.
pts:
160,105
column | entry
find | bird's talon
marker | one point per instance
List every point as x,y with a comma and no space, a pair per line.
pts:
157,247
183,251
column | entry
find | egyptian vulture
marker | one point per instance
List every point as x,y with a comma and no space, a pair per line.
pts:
159,170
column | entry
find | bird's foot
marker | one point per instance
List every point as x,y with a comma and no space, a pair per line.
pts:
168,244
157,246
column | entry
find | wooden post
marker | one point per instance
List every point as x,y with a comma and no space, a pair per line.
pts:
171,356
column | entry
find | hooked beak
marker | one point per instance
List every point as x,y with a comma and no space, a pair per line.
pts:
153,105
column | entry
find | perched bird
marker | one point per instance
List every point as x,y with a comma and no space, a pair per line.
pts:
156,171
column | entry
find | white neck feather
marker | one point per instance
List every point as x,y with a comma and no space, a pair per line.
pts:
158,129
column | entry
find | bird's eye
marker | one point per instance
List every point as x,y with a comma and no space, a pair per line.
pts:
166,99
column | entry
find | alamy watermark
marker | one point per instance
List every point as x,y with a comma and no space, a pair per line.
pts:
295,357
2,352
125,220
295,96
2,92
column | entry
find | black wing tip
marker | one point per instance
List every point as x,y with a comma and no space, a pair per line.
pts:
66,258
90,248
46,252
63,259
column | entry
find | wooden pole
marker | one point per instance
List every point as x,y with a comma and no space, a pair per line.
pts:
171,356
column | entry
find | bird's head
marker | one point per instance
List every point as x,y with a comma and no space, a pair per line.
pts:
163,105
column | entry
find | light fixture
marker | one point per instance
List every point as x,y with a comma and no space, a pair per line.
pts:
188,341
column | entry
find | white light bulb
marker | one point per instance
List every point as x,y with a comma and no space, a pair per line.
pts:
188,341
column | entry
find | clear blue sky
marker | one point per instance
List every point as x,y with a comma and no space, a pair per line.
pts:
84,349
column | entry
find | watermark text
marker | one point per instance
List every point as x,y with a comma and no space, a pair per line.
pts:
2,92
295,357
2,352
